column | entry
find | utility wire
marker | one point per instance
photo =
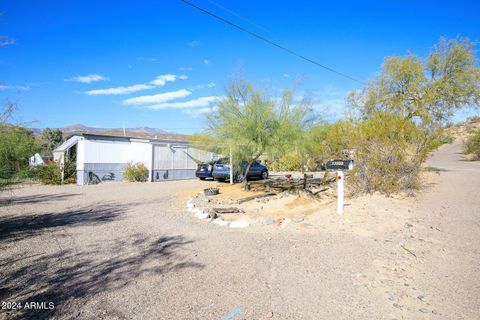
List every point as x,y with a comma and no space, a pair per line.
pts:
239,16
271,42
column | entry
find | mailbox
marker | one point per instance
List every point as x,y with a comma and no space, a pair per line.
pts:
339,165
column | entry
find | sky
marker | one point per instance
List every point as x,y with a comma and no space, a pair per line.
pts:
164,64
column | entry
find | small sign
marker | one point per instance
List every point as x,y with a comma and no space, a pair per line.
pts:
340,165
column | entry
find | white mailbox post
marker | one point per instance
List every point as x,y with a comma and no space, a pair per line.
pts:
340,193
340,166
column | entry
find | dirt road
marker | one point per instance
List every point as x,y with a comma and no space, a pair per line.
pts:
131,251
451,209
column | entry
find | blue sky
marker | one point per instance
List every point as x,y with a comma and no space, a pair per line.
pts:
162,63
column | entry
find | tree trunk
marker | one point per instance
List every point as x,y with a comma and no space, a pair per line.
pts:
325,176
245,180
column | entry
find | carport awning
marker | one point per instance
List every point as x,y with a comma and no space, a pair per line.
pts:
67,144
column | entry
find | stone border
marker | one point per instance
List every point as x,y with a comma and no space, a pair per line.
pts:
205,215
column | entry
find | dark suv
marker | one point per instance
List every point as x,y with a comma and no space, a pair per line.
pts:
221,170
204,170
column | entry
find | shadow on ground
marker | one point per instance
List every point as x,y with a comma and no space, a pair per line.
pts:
36,198
69,278
18,227
435,169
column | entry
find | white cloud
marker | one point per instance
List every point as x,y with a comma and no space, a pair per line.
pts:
185,68
206,61
194,43
197,112
203,86
13,87
120,90
196,103
161,80
88,78
158,98
286,75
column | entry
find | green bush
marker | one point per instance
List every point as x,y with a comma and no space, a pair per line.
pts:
17,144
388,153
51,173
136,172
290,161
440,139
327,141
473,119
472,145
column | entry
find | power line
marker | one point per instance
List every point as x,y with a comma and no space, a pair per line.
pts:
239,16
271,42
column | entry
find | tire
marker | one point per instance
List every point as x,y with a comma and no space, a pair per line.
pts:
211,191
202,178
220,179
264,174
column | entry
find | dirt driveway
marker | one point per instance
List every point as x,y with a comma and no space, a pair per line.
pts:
131,251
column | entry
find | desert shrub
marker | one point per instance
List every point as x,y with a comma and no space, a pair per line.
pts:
51,173
388,154
472,145
70,172
136,172
328,141
17,144
290,161
473,119
440,138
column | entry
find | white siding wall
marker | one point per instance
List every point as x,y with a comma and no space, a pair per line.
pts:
163,158
107,151
81,154
176,157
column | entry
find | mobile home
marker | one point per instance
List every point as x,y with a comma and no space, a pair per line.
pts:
101,158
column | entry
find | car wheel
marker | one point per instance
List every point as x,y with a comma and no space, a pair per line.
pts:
221,179
202,178
264,174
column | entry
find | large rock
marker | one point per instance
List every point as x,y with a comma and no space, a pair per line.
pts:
222,223
239,224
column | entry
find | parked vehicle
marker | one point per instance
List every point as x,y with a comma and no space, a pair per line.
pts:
221,170
204,170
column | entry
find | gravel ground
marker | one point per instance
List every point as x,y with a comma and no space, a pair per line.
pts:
131,251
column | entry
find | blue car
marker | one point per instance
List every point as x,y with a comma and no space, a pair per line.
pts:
221,171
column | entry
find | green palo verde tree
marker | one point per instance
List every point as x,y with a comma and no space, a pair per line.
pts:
403,109
426,90
248,123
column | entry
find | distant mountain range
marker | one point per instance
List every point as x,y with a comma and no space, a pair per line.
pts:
140,132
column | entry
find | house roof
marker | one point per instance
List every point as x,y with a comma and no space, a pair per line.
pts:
73,139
